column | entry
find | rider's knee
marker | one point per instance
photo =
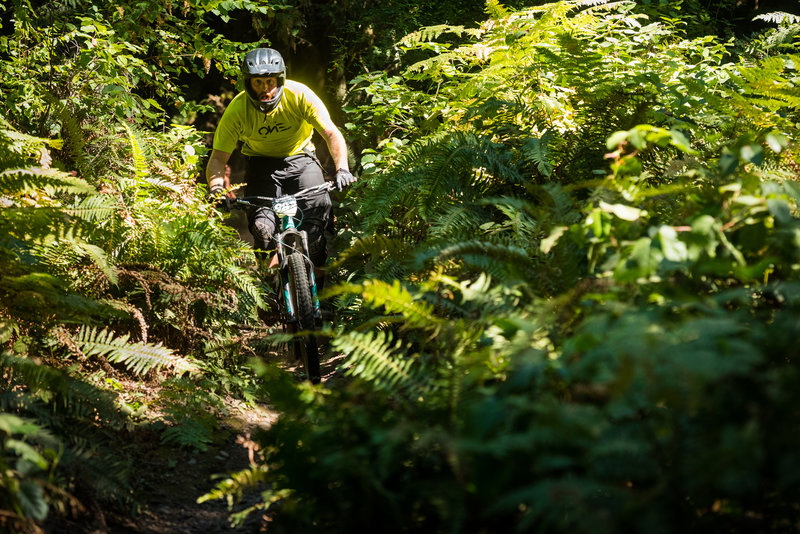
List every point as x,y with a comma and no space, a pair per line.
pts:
262,230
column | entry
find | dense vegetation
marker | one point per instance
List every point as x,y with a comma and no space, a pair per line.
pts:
566,286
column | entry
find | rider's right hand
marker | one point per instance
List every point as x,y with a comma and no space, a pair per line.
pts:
220,199
344,178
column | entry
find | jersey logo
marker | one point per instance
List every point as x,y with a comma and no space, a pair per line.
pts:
279,127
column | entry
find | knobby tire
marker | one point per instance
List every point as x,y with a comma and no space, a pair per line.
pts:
306,347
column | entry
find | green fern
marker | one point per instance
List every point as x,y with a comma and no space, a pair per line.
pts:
22,497
39,298
93,208
80,415
374,246
535,150
237,485
69,252
33,181
395,298
19,149
137,357
440,171
779,17
64,392
190,432
72,133
233,488
375,357
430,33
162,184
495,10
504,261
140,166
457,221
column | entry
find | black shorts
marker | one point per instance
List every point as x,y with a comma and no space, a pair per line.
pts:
272,177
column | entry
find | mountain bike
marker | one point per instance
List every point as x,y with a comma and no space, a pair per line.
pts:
299,303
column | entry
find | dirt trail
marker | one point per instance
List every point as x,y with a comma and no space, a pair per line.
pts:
168,487
171,506
169,481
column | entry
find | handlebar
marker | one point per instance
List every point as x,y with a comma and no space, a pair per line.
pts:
258,201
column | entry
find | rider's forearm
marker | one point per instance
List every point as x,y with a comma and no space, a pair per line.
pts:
215,170
337,147
215,174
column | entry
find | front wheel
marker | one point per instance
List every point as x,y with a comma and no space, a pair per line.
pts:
303,304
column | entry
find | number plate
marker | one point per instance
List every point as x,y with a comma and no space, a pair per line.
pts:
285,206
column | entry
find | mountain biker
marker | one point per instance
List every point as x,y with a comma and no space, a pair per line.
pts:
275,118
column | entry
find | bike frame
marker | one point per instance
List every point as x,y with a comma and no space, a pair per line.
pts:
290,238
296,274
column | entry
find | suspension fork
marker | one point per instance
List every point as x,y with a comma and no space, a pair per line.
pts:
287,223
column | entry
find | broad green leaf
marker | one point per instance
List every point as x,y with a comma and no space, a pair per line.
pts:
627,213
32,500
27,452
674,249
780,209
616,139
549,242
777,142
11,424
728,162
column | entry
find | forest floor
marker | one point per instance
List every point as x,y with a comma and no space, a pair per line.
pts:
169,481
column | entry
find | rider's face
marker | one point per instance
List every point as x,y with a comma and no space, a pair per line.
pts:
264,86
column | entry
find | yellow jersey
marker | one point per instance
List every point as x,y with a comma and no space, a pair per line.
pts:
282,132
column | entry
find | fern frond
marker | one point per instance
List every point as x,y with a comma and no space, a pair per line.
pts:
458,221
521,226
72,133
98,258
18,149
36,296
233,488
592,6
62,393
779,17
441,170
189,432
495,10
430,33
496,259
778,38
395,298
137,357
139,159
556,203
535,151
375,357
376,246
94,208
75,411
161,183
68,251
591,3
32,180
40,226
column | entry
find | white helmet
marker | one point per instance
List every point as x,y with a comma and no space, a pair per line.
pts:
264,62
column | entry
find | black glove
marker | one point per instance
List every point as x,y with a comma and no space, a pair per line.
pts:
220,199
344,178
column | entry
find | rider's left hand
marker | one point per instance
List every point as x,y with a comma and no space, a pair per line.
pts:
220,199
344,178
